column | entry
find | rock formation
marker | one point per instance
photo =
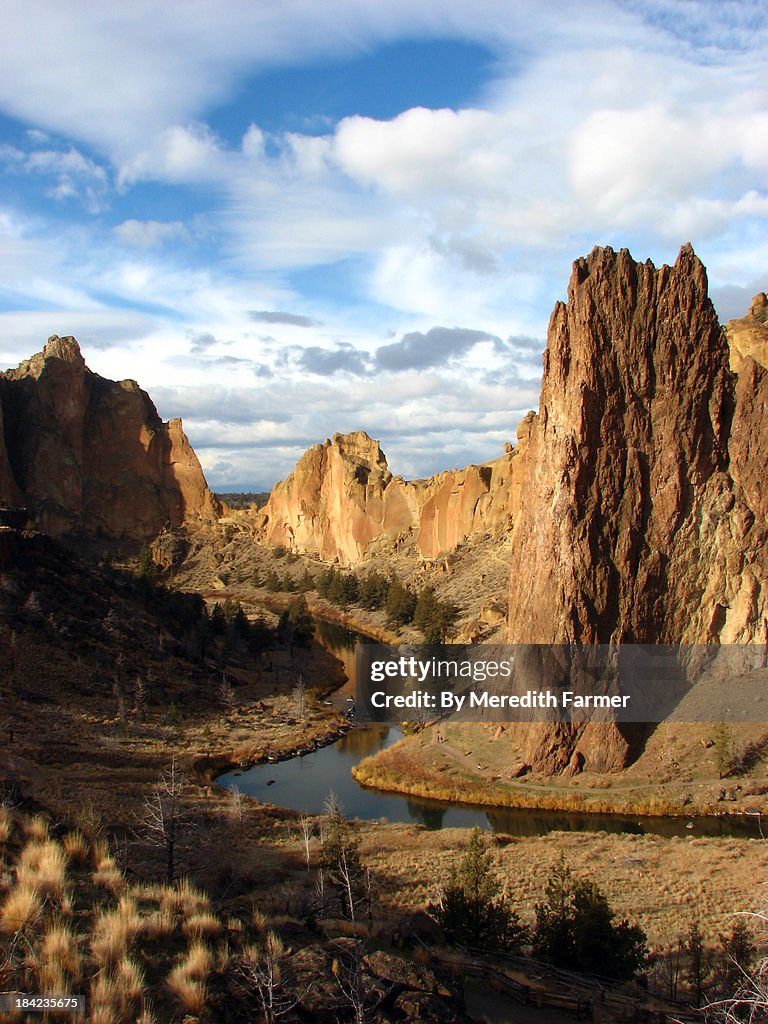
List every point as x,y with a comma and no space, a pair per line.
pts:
89,456
342,504
644,512
749,335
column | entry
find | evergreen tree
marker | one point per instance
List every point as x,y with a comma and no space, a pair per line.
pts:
401,604
575,930
373,589
433,617
472,911
324,581
296,626
736,959
218,620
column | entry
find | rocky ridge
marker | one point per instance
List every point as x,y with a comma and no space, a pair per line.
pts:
748,336
90,456
342,504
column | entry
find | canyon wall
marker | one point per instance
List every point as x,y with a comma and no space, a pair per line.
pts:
341,503
90,456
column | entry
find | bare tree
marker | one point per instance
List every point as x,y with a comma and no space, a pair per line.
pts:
226,694
166,822
307,830
236,805
300,698
263,971
140,698
362,997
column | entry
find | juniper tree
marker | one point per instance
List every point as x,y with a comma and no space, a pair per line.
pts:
472,910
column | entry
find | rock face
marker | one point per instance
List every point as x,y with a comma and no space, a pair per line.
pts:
90,456
342,504
644,512
749,335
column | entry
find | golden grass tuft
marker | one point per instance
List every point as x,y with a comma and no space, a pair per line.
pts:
42,865
76,847
130,980
199,961
147,1015
115,992
158,924
202,926
6,824
101,853
20,909
190,992
187,979
52,978
184,898
258,920
110,877
113,932
36,827
61,946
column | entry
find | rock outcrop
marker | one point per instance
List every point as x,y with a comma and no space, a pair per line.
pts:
341,503
749,335
90,456
643,517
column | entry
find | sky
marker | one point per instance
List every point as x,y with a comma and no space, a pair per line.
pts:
287,218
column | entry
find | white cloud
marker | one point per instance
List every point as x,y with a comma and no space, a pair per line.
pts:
71,174
150,234
624,122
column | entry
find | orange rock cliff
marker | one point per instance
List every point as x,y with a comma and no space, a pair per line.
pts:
90,456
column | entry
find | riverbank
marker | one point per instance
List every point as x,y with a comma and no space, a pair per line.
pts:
471,766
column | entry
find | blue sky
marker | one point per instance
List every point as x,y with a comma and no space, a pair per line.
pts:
288,219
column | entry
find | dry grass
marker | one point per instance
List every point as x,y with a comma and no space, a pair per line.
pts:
147,1015
202,926
199,961
61,946
36,827
52,978
107,874
110,878
130,979
115,992
158,924
42,865
186,980
20,909
184,898
6,824
113,932
259,920
190,992
77,848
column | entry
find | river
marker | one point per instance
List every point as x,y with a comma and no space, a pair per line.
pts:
304,784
